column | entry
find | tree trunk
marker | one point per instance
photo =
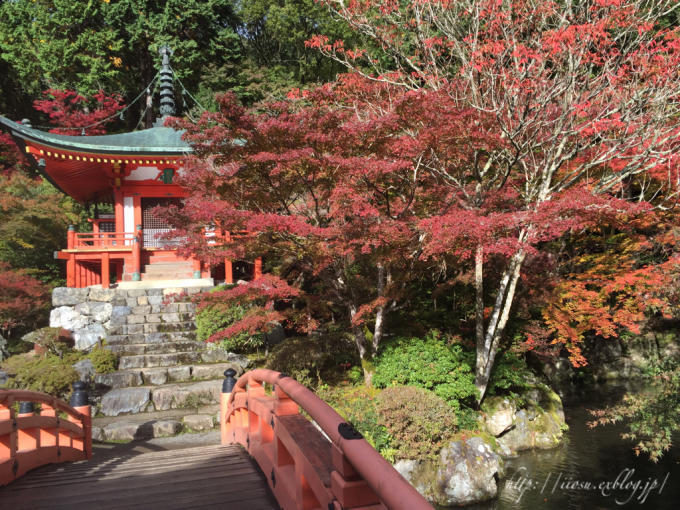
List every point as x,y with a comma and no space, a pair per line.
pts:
488,348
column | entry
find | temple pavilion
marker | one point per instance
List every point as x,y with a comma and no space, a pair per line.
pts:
134,172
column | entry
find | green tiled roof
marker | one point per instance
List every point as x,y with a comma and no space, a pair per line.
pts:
155,141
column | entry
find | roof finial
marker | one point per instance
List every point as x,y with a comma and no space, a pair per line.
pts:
167,107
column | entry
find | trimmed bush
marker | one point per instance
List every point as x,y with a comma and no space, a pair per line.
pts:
418,421
358,405
431,364
50,374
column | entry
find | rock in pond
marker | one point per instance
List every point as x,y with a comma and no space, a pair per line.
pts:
465,472
540,424
499,415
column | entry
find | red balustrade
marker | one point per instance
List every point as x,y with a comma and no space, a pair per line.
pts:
327,466
102,240
29,440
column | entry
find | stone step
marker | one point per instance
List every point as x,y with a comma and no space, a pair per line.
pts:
162,375
157,327
141,399
155,348
146,317
152,338
158,360
155,424
189,285
180,358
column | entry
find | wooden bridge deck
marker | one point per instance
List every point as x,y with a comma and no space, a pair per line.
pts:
202,477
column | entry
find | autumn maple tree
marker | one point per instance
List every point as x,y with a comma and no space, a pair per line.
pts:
330,192
578,98
75,114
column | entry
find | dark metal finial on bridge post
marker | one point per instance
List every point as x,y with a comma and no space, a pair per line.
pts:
79,397
227,388
229,380
26,408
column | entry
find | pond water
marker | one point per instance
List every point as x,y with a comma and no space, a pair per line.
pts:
559,478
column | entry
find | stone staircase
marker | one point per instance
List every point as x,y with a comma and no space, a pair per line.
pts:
167,381
168,271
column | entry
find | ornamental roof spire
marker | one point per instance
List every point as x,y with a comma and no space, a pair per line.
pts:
167,88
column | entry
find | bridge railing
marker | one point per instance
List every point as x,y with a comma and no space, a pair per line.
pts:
327,466
29,440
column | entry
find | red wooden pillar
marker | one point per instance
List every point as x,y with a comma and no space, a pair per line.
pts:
118,210
71,237
228,267
71,270
77,273
257,273
196,264
106,275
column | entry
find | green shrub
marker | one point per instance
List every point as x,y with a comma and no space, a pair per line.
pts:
103,360
431,364
217,317
510,376
50,374
311,360
418,422
358,405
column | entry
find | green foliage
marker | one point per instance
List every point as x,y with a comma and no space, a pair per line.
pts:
431,364
34,218
358,405
24,301
510,376
219,316
650,417
311,360
103,360
417,420
50,374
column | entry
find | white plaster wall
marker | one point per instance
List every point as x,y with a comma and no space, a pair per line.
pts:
128,216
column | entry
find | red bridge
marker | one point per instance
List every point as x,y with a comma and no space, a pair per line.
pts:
271,457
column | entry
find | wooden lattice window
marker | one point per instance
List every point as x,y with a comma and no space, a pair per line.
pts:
154,225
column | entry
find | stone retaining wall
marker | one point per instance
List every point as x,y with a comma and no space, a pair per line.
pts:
92,313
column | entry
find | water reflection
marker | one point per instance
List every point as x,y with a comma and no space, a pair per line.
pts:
593,469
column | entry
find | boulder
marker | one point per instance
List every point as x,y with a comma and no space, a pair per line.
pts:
465,472
125,400
97,434
121,379
4,353
85,370
66,317
499,415
127,431
67,296
539,425
198,422
186,395
86,337
165,428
